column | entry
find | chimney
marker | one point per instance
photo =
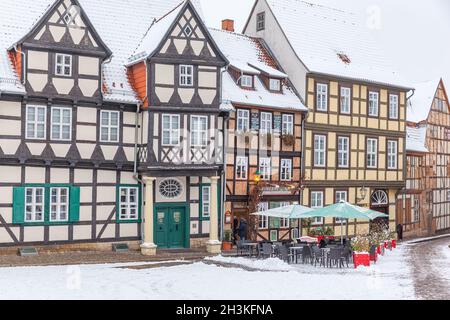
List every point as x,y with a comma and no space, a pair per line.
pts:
228,25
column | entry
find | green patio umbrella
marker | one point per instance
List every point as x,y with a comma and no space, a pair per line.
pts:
344,210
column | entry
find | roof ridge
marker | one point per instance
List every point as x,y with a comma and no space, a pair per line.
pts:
324,6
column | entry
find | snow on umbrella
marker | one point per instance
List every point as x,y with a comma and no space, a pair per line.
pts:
294,211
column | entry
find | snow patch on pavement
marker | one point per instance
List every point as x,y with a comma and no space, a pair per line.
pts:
272,264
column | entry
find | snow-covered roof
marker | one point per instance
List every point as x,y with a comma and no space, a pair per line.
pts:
419,105
272,72
249,52
415,138
319,35
121,24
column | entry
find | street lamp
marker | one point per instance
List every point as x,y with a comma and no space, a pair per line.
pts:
257,177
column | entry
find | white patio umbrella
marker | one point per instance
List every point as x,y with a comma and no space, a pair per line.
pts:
294,211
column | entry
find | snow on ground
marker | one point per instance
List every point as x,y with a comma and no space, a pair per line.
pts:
389,279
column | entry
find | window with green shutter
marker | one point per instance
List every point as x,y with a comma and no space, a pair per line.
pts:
46,204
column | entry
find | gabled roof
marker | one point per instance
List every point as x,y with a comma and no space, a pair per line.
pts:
415,138
419,105
324,38
247,52
120,24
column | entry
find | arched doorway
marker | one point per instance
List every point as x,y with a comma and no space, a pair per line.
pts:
379,201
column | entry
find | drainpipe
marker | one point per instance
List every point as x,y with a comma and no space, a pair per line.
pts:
302,166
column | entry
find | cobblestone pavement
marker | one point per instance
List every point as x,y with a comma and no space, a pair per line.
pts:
430,269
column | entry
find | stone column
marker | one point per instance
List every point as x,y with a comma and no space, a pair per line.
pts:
214,245
148,248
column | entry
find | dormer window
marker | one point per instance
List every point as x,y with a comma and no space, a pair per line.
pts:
275,85
63,66
247,81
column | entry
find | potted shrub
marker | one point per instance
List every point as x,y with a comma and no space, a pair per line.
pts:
288,140
227,243
361,248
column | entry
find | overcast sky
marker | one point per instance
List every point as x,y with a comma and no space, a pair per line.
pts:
415,34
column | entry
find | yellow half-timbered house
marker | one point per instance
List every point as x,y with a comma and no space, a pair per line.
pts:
354,146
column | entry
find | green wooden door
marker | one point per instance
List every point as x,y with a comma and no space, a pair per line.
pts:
170,227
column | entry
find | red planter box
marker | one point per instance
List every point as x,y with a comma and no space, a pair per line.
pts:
386,244
394,244
361,259
379,249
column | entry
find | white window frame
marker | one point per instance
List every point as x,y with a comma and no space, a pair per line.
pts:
128,205
266,122
393,106
243,120
287,124
109,127
274,84
265,168
59,204
242,167
206,203
343,154
263,221
392,154
173,134
261,21
322,97
346,100
372,153
33,204
247,81
35,122
416,210
60,125
314,205
199,135
374,103
341,195
63,65
286,170
320,154
186,75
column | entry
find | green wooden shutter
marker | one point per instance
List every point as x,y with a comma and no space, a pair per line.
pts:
18,205
74,210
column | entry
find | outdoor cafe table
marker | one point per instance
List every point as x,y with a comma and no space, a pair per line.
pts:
252,246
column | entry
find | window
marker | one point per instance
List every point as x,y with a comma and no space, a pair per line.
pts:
265,167
170,188
36,122
392,154
393,106
345,100
199,127
109,127
241,168
59,204
61,120
373,103
275,85
170,130
266,122
372,150
416,210
288,124
439,104
322,97
129,203
63,65
206,201
286,170
341,196
260,21
247,81
317,202
243,120
343,152
34,204
263,221
273,235
186,75
319,150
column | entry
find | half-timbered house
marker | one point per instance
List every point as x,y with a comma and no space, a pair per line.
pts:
264,134
355,129
424,206
77,103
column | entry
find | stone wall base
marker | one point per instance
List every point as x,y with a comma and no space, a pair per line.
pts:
199,243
